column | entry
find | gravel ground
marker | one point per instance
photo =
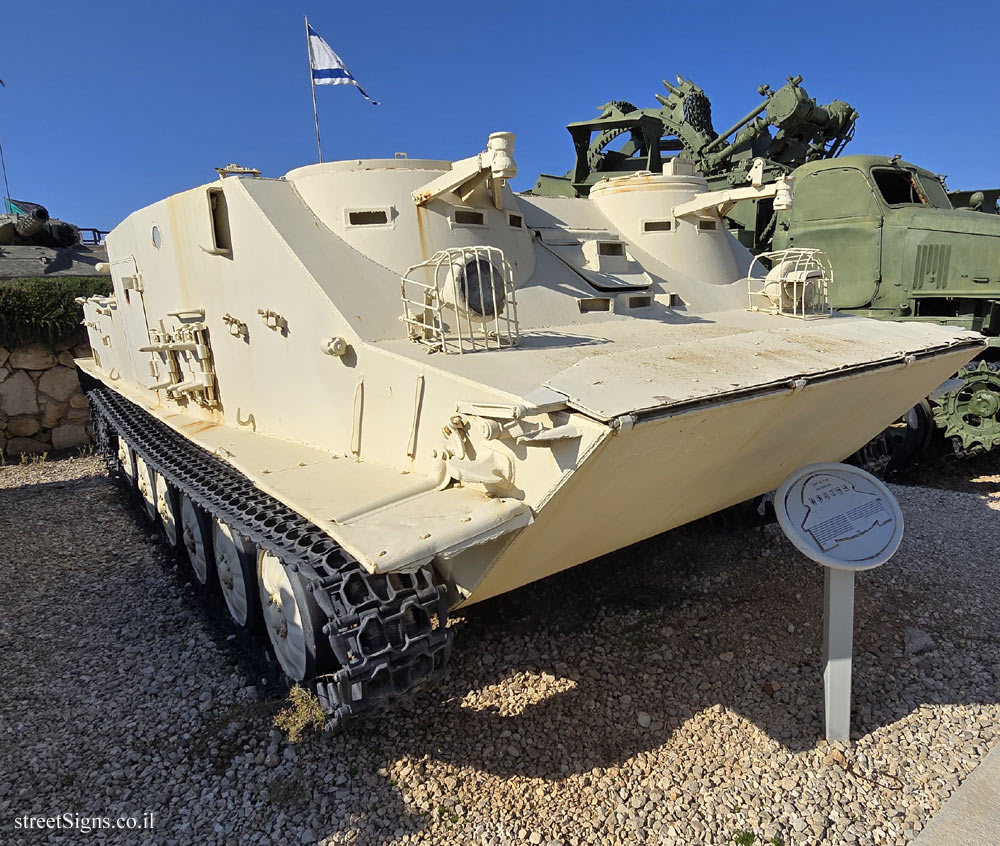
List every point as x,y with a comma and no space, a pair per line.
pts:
669,693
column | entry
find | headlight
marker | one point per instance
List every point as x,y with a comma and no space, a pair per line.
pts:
482,287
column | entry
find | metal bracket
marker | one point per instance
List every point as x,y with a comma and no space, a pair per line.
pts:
273,320
496,162
188,314
237,328
491,469
497,411
190,339
722,201
546,437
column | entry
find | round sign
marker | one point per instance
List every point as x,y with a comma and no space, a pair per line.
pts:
840,516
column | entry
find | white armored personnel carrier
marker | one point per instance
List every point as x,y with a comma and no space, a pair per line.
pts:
372,391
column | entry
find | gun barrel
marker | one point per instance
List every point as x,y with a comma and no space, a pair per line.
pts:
27,225
18,225
738,125
750,132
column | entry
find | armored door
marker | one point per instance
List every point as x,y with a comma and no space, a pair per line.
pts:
836,211
129,293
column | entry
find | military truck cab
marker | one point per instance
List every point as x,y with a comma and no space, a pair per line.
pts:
898,248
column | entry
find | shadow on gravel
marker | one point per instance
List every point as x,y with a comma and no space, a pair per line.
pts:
676,626
607,661
10,497
978,475
700,621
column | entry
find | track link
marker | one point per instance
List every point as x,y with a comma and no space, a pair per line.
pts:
387,632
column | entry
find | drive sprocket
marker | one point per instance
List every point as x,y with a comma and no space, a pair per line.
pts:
970,414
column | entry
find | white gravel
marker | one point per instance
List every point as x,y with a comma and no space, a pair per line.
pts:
667,694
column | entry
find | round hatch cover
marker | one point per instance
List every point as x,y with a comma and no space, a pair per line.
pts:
840,516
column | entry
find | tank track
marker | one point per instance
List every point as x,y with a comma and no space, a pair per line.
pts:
387,632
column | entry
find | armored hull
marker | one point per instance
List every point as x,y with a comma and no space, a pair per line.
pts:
373,390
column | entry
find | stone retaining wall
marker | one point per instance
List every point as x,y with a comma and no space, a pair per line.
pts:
42,408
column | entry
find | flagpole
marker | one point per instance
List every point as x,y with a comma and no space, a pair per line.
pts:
312,83
6,197
3,166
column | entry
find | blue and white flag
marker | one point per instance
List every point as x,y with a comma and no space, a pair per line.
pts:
327,68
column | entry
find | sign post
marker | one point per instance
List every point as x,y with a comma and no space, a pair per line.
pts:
847,520
838,651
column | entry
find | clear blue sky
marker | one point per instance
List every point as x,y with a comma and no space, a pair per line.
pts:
110,106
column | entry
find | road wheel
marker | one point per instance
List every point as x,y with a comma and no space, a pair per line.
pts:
291,617
235,564
166,507
126,460
147,486
197,535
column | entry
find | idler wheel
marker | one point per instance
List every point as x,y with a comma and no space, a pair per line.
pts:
196,533
235,565
166,507
147,486
291,617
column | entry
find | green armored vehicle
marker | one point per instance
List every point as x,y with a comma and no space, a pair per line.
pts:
899,249
901,252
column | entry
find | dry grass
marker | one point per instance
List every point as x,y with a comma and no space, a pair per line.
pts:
302,713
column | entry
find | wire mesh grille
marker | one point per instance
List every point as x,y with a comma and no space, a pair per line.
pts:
461,300
794,283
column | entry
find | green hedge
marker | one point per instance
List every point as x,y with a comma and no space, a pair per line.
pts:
42,309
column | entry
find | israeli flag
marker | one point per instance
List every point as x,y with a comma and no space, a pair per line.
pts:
327,68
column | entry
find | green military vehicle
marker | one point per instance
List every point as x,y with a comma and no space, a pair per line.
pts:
33,244
787,129
899,249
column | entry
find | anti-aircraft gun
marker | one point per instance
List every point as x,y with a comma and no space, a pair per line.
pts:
805,132
786,130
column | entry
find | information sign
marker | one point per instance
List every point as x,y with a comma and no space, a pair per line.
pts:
839,516
847,520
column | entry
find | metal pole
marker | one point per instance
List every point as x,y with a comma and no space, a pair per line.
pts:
838,651
312,83
3,165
